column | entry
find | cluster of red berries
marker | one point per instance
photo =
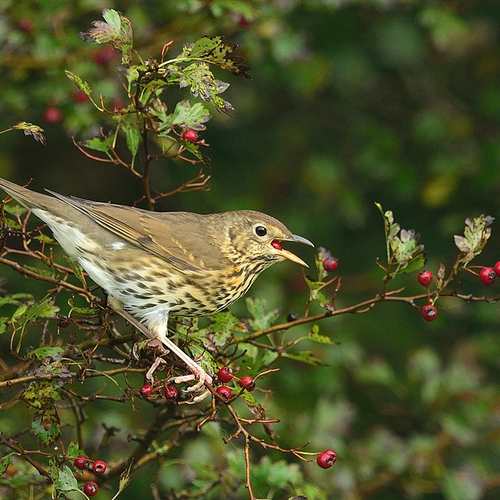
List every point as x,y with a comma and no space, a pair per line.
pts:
90,488
488,275
170,392
429,312
225,375
326,459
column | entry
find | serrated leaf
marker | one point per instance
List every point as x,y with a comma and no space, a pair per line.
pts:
315,336
46,428
477,231
81,84
73,450
261,317
132,137
66,480
96,144
216,50
31,129
47,352
115,30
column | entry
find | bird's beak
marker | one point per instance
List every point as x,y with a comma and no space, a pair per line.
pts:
291,256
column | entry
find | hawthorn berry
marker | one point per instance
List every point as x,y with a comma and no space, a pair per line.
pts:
91,488
247,383
277,244
425,278
429,312
52,114
487,275
224,391
330,264
190,135
81,462
25,25
99,467
244,22
496,268
63,321
171,393
225,374
79,96
326,459
146,390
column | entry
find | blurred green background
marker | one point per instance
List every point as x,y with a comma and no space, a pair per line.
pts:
350,103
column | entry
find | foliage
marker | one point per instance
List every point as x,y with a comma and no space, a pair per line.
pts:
411,408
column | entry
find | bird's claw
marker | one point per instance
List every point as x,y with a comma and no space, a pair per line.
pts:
202,378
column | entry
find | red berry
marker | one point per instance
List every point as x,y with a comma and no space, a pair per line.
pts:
91,489
146,390
243,22
25,25
429,312
81,462
330,264
171,393
99,467
104,56
190,135
496,268
277,244
487,275
52,114
225,374
247,383
79,96
224,391
425,278
326,459
63,321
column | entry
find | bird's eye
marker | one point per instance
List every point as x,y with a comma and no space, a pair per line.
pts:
260,230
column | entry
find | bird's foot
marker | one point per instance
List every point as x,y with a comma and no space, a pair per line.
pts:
156,363
202,378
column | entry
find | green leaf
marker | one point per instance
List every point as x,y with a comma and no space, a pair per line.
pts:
5,462
47,352
403,251
476,234
96,144
261,318
46,428
132,135
81,84
66,480
115,30
315,336
74,450
223,326
215,50
306,357
31,129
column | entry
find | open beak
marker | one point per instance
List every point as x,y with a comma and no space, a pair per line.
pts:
289,255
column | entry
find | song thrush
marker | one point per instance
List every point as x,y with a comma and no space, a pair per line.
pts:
152,264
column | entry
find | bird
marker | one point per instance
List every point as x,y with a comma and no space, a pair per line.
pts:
153,264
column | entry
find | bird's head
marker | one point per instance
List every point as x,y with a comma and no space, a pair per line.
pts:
257,239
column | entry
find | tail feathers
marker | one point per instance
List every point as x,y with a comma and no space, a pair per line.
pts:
30,199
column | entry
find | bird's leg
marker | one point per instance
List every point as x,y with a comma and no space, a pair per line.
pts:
198,373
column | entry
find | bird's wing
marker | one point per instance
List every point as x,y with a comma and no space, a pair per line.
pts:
172,236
